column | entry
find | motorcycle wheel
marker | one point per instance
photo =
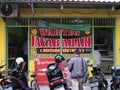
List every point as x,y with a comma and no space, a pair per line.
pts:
102,83
106,83
112,86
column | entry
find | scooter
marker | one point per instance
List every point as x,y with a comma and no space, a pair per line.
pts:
18,78
5,82
98,81
55,76
115,82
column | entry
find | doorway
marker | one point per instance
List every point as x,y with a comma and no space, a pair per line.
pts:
17,36
103,43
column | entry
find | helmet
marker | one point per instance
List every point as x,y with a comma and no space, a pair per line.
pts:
59,58
19,60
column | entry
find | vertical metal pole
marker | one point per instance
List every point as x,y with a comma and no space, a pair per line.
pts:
61,38
6,49
61,41
28,41
93,38
114,44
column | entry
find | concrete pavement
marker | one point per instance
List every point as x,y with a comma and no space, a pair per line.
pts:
86,86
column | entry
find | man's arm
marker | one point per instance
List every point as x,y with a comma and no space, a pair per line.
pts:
85,66
70,65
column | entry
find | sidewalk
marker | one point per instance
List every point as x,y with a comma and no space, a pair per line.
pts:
47,88
86,86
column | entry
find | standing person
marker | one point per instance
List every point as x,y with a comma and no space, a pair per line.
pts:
77,70
97,57
66,72
25,51
20,52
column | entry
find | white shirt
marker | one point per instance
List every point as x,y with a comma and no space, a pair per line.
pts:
97,57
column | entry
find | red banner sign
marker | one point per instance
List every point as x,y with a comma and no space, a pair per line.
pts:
42,63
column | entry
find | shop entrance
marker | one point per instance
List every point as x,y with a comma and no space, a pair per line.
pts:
17,45
103,45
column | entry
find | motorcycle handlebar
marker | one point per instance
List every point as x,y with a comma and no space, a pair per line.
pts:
91,65
2,66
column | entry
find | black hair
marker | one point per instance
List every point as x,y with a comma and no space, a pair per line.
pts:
77,51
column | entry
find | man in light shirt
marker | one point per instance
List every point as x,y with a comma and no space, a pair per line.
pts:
97,57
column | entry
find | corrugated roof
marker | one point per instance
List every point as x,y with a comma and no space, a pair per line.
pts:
57,1
67,4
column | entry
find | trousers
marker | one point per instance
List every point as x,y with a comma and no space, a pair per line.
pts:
77,84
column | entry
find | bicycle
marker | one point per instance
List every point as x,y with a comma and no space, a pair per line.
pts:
34,83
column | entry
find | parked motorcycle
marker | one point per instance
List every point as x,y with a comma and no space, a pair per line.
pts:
5,82
98,81
115,82
17,76
55,76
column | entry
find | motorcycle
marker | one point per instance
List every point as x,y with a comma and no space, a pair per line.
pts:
17,76
115,82
19,80
5,82
98,81
55,76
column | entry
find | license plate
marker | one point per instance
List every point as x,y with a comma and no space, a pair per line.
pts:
8,88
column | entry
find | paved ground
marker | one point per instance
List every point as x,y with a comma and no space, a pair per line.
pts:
86,86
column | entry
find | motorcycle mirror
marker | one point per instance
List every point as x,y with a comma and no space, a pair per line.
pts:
112,67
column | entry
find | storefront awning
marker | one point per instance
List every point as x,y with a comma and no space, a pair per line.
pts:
81,27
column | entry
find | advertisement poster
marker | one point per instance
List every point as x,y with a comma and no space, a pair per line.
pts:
46,42
41,64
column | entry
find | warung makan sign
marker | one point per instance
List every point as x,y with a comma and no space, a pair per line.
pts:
48,40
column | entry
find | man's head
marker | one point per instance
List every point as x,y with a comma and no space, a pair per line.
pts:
59,58
77,52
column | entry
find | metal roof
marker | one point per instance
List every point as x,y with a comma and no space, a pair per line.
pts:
59,1
67,4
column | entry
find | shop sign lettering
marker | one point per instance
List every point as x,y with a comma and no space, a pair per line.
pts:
48,40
